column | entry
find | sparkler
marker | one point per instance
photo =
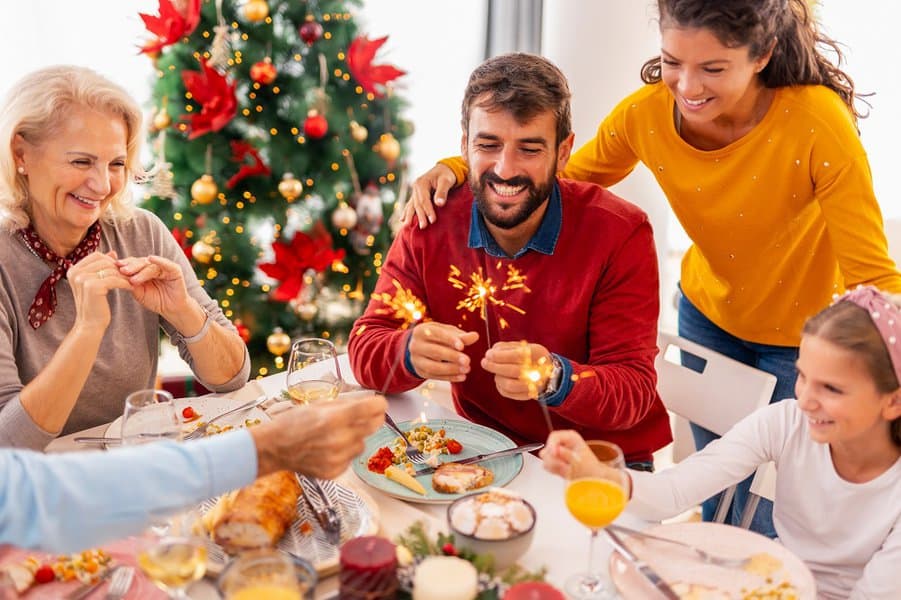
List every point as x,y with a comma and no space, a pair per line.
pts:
535,375
404,306
481,292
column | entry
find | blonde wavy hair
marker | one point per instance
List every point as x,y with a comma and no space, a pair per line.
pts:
36,108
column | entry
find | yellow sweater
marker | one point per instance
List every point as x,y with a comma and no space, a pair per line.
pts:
780,219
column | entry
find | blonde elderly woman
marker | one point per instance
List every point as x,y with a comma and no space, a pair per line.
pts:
86,280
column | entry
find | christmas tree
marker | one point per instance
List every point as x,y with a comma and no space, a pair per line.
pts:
278,145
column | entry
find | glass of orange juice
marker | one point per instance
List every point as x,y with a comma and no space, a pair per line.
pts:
596,501
267,574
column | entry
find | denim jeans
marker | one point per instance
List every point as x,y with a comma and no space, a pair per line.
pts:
778,360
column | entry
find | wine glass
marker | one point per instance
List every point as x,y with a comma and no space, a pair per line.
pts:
177,558
596,500
149,415
313,371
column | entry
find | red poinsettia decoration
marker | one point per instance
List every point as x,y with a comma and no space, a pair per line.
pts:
292,259
171,25
240,151
179,234
372,78
216,97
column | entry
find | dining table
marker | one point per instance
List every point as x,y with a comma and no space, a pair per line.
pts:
559,545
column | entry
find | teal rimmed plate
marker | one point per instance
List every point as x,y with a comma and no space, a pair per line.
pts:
476,439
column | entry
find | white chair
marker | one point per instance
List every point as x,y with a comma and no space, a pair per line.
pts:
723,393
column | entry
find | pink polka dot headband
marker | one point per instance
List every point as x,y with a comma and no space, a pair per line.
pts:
886,317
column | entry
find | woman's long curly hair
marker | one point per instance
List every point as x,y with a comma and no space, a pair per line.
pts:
799,48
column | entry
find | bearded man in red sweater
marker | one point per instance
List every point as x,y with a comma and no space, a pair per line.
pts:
571,274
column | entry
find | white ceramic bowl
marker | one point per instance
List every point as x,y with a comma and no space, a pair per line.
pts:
506,550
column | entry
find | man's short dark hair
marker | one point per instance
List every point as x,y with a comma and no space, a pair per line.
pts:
525,85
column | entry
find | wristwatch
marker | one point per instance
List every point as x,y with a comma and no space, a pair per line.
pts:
553,382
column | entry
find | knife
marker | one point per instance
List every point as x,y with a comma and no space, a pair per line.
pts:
486,456
643,568
116,441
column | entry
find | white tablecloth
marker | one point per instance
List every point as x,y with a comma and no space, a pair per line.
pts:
560,542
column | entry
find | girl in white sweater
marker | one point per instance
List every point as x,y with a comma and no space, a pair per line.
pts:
837,451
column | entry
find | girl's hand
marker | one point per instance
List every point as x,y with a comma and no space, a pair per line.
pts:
158,284
566,454
439,179
91,280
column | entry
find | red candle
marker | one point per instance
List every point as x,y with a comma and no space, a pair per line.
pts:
533,590
368,569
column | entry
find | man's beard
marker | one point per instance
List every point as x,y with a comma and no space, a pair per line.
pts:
508,220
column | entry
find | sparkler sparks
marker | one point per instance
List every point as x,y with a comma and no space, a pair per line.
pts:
403,305
481,292
535,374
406,307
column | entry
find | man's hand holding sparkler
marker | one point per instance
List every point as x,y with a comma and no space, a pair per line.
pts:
436,351
521,370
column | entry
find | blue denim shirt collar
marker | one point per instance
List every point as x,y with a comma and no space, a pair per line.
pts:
544,240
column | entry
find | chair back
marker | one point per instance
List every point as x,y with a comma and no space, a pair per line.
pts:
717,398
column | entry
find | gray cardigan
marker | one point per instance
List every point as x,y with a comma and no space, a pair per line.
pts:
127,358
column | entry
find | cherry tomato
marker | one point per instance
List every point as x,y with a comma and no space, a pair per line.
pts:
44,574
454,447
188,413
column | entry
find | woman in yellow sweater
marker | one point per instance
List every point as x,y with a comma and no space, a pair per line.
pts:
751,133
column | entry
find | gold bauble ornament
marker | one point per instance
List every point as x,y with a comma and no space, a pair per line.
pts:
290,187
278,342
306,310
344,217
256,10
203,252
388,147
161,120
358,132
204,190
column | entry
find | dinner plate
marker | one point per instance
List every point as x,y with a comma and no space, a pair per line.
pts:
359,516
476,439
122,552
208,407
686,573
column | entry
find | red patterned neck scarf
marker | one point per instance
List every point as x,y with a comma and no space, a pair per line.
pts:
45,301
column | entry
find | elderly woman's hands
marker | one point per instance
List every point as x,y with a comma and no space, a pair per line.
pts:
91,279
158,284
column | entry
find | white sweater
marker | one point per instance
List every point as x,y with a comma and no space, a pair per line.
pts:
848,534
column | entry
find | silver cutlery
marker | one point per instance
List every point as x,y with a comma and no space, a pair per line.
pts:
486,456
413,453
85,589
120,583
326,514
116,441
713,559
202,428
646,571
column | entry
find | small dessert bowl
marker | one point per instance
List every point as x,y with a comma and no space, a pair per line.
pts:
494,521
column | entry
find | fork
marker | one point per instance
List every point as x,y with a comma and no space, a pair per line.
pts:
202,428
120,583
413,453
713,559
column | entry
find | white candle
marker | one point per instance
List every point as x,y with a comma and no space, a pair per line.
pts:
445,578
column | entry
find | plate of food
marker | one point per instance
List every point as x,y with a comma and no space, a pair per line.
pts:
772,571
274,512
43,576
383,464
194,412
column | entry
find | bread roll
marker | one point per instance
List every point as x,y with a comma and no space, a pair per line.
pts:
258,515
